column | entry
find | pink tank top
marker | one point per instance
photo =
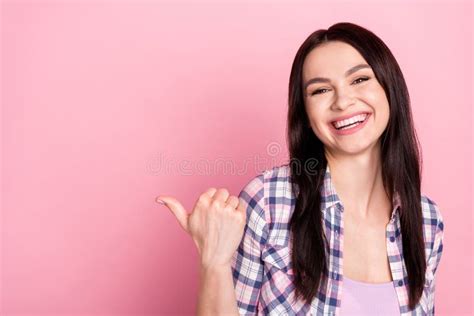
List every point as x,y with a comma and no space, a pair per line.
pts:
361,298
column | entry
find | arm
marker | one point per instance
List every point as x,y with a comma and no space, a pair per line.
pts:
216,292
247,266
216,225
217,295
435,256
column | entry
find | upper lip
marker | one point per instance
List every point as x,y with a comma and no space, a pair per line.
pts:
349,116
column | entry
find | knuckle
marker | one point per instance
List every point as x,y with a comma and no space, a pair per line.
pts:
241,205
202,198
232,204
211,190
239,218
229,207
218,204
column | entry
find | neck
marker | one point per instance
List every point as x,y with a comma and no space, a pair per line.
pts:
358,182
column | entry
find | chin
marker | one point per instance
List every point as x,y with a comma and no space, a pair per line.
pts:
356,149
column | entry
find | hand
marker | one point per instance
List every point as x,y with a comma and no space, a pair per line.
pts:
216,224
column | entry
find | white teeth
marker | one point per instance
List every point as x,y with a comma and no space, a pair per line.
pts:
351,120
350,126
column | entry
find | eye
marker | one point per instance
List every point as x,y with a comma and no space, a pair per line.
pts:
357,81
319,91
361,78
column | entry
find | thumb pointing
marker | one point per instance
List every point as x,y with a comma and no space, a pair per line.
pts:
177,209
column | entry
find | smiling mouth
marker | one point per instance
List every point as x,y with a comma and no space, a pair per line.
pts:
350,122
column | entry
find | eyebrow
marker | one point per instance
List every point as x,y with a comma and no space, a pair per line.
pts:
348,73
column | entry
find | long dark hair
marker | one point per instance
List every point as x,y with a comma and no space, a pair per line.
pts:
400,157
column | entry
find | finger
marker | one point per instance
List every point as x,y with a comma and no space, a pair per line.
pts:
242,207
221,195
233,201
177,209
207,196
210,192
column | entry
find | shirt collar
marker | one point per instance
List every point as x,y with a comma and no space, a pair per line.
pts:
330,198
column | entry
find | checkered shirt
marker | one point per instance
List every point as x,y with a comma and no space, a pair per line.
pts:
262,268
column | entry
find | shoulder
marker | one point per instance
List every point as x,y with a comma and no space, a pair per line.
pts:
280,171
270,182
433,222
431,213
269,196
280,203
278,181
278,184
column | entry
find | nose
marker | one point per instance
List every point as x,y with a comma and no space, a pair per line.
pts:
343,100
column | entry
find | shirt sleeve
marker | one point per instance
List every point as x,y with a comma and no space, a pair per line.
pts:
435,256
247,266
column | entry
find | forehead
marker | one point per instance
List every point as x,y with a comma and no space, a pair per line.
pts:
331,59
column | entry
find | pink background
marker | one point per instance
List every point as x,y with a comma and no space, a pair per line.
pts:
98,97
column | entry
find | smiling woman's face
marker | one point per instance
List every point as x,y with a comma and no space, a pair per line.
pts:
346,105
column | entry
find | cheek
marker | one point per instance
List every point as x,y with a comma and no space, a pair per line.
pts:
375,96
373,93
382,110
317,122
381,101
322,132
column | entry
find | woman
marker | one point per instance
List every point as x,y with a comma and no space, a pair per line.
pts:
343,229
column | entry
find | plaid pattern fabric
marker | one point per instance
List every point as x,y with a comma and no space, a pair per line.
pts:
262,269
